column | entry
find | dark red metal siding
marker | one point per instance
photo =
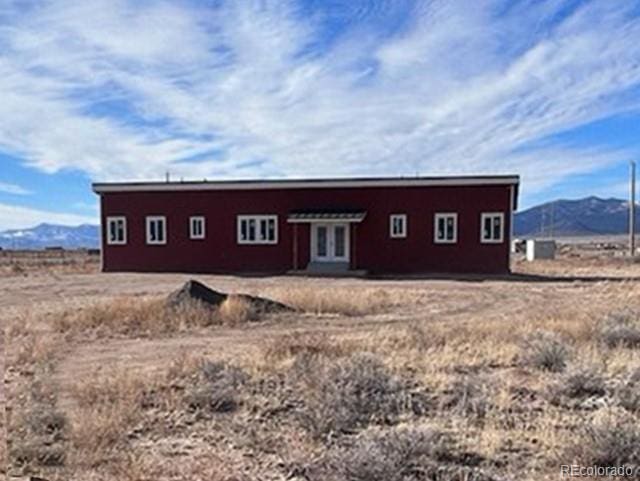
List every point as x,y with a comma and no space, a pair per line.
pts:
375,251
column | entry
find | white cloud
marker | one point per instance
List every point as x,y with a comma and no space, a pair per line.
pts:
9,188
456,90
19,217
87,206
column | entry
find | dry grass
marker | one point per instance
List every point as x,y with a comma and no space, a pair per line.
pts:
332,410
107,410
236,310
611,438
27,263
438,381
329,300
145,316
298,343
130,316
3,416
148,316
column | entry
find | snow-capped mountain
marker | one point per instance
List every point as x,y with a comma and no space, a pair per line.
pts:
588,216
50,235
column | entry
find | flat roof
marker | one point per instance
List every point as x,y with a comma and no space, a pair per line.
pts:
319,183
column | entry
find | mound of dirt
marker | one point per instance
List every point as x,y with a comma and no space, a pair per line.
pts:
263,304
194,291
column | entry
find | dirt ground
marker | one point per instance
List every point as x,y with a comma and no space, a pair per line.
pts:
535,291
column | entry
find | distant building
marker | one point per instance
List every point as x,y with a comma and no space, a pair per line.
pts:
377,225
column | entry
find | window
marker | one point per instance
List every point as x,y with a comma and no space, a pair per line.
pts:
492,227
196,227
156,230
116,230
257,229
446,228
398,225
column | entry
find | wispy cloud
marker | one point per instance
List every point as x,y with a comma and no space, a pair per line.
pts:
14,189
19,217
122,89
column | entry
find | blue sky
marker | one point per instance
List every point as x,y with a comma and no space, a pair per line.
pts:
99,90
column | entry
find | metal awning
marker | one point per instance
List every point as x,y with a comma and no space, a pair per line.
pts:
327,216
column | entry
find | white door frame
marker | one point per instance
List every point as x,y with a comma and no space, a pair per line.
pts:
331,248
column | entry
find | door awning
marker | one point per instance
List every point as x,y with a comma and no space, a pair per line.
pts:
327,216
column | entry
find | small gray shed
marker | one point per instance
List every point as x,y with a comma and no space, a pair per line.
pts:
540,249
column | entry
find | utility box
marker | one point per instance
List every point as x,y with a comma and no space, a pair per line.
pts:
540,249
518,246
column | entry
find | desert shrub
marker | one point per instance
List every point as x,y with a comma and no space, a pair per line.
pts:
40,437
621,329
37,451
612,439
627,392
396,454
546,351
467,396
46,420
390,455
212,398
578,384
216,389
353,392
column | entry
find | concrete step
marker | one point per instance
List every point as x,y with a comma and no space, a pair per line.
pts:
328,266
329,269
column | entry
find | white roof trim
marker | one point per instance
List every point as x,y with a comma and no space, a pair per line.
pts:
305,184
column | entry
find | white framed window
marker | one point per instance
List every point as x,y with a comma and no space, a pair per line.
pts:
492,227
398,226
116,230
156,230
445,228
197,227
257,229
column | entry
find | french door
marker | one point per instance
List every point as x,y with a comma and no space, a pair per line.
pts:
330,242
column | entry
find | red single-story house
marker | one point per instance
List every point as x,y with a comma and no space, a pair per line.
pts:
373,225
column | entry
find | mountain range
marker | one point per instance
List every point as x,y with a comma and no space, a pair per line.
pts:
583,217
590,216
51,235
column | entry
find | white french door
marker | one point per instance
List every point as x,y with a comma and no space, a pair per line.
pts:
330,242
